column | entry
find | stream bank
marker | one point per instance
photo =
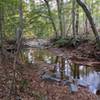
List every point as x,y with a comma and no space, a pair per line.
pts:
31,65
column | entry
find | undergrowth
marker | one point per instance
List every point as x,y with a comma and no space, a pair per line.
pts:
69,41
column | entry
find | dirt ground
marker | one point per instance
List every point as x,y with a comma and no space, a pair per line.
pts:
30,86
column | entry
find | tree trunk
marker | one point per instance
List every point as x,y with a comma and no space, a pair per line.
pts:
18,45
50,15
1,26
73,18
20,28
86,27
63,18
59,6
88,14
77,19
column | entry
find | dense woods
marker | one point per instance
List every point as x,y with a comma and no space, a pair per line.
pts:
54,31
50,18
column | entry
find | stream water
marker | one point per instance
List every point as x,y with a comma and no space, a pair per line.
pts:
86,76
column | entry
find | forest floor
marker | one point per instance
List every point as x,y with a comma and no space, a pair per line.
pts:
30,86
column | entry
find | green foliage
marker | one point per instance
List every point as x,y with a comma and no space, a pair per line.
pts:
69,41
60,42
23,84
37,21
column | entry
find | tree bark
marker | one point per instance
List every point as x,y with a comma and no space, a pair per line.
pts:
91,21
18,45
50,15
1,26
77,20
73,18
20,28
63,18
59,7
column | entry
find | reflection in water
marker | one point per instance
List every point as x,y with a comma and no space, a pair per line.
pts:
31,58
35,55
47,59
63,67
93,80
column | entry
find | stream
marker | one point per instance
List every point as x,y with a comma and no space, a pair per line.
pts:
88,77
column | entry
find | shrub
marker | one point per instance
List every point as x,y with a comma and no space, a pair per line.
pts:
69,41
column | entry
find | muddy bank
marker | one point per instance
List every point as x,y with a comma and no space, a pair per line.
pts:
85,52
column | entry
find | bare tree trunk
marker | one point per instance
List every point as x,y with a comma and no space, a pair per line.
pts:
1,26
88,14
73,18
63,18
50,15
18,44
20,28
59,6
77,19
86,24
